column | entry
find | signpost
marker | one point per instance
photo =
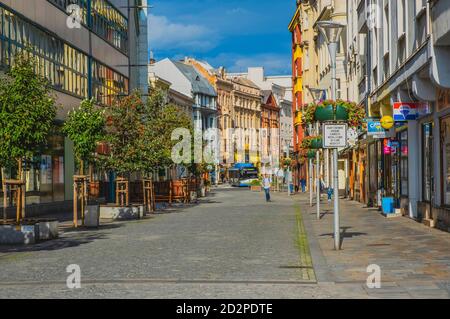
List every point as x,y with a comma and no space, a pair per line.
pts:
334,135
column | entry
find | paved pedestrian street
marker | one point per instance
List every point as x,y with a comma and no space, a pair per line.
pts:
235,245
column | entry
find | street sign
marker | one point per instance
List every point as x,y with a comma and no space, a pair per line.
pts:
334,135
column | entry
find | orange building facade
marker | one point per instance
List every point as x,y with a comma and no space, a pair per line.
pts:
299,169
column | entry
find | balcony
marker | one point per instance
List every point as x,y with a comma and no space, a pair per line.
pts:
362,17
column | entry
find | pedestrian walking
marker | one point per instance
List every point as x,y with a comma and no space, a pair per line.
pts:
267,181
330,194
303,184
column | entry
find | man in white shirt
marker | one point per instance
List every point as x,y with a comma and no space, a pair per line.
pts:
267,181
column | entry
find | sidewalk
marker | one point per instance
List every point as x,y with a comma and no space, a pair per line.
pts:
414,259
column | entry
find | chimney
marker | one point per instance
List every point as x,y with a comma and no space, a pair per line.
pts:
152,58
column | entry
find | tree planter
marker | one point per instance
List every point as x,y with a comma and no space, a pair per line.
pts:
92,217
18,234
256,188
47,229
114,212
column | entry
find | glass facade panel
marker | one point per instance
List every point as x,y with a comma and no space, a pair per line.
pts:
82,4
64,66
106,20
107,84
109,24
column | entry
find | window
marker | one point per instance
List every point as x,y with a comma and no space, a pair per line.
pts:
401,16
63,4
106,21
427,161
401,51
403,158
445,156
64,67
107,85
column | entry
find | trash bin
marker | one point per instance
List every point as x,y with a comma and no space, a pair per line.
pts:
387,204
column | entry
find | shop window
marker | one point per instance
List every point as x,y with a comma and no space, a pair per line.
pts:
445,154
427,161
403,156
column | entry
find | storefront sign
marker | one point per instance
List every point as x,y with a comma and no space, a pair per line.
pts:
335,135
404,111
375,129
387,147
387,122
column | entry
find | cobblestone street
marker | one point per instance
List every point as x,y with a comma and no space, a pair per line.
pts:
235,245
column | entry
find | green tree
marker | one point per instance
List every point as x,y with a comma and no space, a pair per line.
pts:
85,127
161,120
27,111
124,133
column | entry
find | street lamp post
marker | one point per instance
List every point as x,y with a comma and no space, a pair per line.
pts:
316,94
332,31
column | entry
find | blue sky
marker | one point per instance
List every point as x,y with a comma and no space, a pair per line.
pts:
231,33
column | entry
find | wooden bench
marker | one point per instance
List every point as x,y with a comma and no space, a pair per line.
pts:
180,191
163,192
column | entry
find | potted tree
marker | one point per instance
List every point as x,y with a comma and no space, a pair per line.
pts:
85,127
124,135
27,113
157,145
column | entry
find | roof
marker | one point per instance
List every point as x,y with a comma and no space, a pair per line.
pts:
266,95
246,82
199,83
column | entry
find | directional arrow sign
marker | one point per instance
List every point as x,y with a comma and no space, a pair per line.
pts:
334,135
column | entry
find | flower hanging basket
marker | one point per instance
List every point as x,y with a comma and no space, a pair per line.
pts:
341,113
317,143
324,113
311,154
331,111
339,110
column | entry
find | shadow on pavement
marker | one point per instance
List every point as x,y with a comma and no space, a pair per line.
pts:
56,244
345,234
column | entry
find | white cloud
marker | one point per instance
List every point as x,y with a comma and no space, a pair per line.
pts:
165,34
273,63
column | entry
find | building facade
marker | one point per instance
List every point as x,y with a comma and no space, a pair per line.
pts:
270,127
225,110
408,57
171,96
186,80
393,60
94,56
298,26
282,89
246,97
